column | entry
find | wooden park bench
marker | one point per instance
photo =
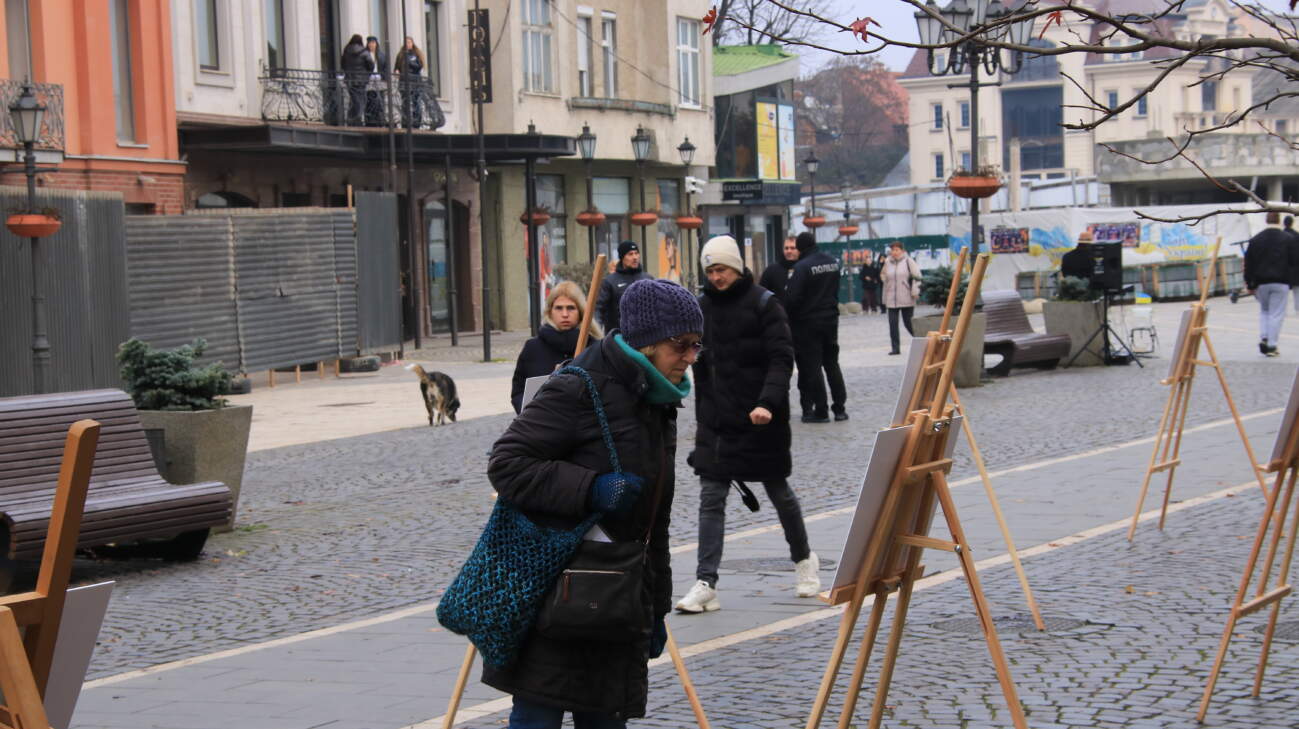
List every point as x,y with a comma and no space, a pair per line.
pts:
127,501
1009,335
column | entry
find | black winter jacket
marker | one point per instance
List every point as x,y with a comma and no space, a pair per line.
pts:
1294,260
408,63
747,360
611,290
356,61
1269,257
870,274
813,290
776,276
539,357
544,464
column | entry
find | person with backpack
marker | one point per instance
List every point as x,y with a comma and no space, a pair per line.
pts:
900,276
742,412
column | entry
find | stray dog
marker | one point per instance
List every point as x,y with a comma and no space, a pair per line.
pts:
439,392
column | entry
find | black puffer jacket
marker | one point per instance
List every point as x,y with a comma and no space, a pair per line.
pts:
1268,258
356,61
544,464
539,357
776,276
747,359
813,289
611,290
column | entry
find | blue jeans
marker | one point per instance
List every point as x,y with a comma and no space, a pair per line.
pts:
531,715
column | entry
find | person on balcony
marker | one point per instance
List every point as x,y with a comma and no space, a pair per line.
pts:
410,65
376,61
356,74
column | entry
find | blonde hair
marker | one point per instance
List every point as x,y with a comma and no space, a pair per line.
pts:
570,290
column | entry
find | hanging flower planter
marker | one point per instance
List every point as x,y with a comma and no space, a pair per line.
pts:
690,222
539,217
813,221
848,230
643,219
33,225
590,218
974,187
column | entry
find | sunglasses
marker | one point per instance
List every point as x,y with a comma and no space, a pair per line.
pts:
681,347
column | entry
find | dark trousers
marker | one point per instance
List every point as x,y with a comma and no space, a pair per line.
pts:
356,103
712,523
870,300
816,348
531,715
894,337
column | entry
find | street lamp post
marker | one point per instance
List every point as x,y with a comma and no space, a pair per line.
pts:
812,163
687,152
586,146
984,23
640,147
26,114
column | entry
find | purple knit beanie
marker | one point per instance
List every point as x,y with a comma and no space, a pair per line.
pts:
651,311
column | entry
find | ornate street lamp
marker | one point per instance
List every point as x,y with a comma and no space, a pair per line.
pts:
589,217
688,221
812,163
984,22
640,147
26,115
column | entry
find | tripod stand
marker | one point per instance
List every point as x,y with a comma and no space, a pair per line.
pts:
1104,331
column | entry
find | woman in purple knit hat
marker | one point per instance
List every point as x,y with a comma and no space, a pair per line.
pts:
552,464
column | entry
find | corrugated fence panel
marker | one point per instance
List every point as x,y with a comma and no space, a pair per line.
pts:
87,312
345,274
181,270
287,292
378,272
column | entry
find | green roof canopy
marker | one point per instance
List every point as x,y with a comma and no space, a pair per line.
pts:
732,60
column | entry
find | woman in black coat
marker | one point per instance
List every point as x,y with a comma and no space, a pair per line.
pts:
552,465
870,286
742,405
409,67
555,341
356,74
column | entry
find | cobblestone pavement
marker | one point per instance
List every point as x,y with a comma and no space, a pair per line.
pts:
1147,627
335,530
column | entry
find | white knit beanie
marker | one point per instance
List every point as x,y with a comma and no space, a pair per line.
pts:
722,249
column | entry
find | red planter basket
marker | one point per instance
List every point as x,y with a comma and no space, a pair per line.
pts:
32,225
973,187
690,222
590,218
643,219
848,230
813,221
539,217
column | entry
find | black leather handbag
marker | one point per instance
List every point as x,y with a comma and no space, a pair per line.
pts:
600,596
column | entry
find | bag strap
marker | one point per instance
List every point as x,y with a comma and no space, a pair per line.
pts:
600,415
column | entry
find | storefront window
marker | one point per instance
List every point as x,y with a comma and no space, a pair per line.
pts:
612,196
668,258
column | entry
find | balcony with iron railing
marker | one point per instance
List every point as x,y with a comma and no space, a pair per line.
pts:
349,99
50,143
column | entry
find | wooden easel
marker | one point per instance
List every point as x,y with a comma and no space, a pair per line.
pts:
892,556
1166,455
1286,468
25,658
944,329
466,666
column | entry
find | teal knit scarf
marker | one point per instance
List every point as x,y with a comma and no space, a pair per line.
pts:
662,391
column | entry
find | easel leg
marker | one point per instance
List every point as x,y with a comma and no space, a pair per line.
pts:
864,654
846,625
459,691
1177,448
1235,414
890,654
1160,437
1282,578
686,684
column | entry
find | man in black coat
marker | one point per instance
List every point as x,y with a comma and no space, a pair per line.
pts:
812,300
1268,261
627,272
777,274
742,408
1288,223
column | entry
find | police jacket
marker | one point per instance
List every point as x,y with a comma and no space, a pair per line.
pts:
813,288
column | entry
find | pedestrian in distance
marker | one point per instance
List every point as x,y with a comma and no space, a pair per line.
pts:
742,409
376,61
812,302
870,286
409,67
553,466
356,75
1288,223
900,276
627,272
555,342
776,275
1269,259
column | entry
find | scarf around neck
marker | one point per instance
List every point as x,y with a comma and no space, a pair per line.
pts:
661,389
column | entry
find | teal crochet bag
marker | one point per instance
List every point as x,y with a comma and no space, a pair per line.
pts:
495,599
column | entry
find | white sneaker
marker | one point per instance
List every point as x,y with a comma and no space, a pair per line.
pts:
809,578
700,599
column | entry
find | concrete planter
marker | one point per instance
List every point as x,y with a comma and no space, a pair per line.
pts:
204,445
1078,319
969,363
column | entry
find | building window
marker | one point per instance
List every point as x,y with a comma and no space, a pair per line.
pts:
273,20
1141,106
379,20
965,161
688,60
938,166
611,196
18,39
123,91
965,115
938,117
538,67
585,84
1111,100
1280,127
209,41
433,45
609,44
553,235
1209,96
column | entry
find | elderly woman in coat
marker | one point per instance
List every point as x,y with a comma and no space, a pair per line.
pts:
552,465
901,279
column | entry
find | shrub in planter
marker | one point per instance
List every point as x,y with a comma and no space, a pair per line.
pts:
1072,288
169,380
935,285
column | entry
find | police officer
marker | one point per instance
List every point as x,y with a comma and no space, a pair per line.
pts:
812,300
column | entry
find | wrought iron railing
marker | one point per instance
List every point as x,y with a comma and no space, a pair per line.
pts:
49,95
349,99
